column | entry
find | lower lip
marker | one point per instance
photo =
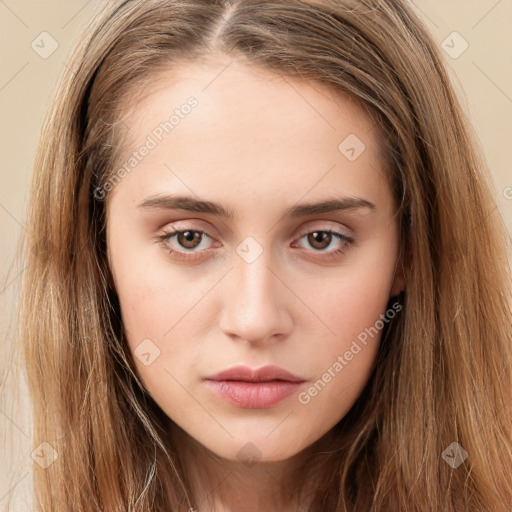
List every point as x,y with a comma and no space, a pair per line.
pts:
254,395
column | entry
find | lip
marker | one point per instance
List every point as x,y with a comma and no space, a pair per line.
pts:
263,374
249,388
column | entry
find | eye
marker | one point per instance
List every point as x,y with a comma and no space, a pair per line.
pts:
189,243
186,242
322,239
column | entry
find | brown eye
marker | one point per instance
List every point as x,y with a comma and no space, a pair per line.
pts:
189,239
186,243
325,243
320,239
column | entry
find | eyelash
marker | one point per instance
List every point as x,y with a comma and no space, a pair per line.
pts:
167,235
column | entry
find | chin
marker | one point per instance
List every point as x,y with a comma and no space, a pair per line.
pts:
256,449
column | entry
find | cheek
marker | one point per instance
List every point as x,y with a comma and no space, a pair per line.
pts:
344,358
152,299
352,298
162,317
353,308
155,316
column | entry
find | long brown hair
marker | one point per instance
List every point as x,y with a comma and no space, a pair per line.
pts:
443,374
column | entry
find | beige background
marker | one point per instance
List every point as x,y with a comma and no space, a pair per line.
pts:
483,76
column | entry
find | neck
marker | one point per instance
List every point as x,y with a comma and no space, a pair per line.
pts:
222,485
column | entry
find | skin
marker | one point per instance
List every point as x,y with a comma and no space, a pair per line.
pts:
257,143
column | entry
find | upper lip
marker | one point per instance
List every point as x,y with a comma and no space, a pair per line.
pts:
263,374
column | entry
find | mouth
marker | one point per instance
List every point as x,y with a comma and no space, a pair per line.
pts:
254,388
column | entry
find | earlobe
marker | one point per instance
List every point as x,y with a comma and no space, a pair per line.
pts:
108,272
397,288
108,269
399,284
110,280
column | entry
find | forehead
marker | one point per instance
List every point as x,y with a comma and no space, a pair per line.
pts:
250,129
235,88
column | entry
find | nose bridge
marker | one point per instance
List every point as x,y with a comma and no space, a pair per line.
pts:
254,307
254,280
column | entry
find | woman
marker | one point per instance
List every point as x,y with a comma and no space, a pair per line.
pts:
269,272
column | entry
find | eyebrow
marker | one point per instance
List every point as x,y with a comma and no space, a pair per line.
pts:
170,202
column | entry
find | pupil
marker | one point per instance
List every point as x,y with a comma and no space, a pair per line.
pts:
320,237
189,237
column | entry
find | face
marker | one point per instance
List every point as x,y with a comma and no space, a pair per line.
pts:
255,229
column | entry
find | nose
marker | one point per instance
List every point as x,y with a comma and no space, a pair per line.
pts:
256,302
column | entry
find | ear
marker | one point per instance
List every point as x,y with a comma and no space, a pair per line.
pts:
399,283
110,279
108,272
